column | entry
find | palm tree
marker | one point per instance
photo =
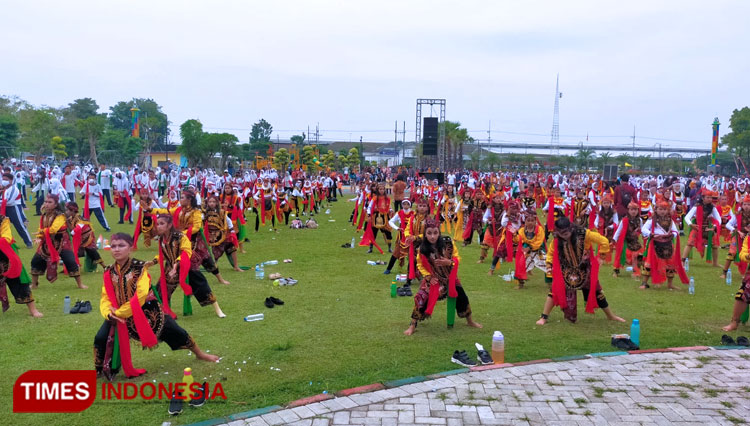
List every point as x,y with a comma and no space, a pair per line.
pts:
455,138
604,158
584,155
491,160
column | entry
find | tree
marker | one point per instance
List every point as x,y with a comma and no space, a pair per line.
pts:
37,126
154,126
193,147
92,128
738,140
605,158
58,148
117,147
9,131
260,137
492,160
281,159
455,138
353,159
475,157
308,156
584,156
329,160
223,143
298,139
81,109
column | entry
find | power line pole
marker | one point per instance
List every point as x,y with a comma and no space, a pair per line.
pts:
489,139
634,142
403,143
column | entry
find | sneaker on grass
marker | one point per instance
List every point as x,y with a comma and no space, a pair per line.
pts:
462,358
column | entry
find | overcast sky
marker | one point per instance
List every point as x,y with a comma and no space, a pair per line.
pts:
356,67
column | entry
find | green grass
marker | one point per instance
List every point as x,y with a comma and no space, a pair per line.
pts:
339,327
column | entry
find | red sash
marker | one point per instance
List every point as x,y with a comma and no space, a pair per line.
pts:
146,334
520,273
14,262
184,269
621,242
551,213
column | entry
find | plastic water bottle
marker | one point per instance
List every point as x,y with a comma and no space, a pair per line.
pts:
66,305
352,242
372,262
729,277
187,379
691,287
635,332
393,288
498,348
687,265
254,317
257,271
271,262
261,273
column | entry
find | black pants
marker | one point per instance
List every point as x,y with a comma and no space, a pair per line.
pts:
171,334
257,220
107,194
72,196
15,215
39,265
39,202
122,215
387,233
397,205
21,292
286,217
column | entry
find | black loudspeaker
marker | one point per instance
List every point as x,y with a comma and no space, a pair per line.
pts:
432,176
610,173
430,136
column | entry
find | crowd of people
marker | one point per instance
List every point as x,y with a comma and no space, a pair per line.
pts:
569,227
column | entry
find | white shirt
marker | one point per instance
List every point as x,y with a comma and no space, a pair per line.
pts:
105,178
95,195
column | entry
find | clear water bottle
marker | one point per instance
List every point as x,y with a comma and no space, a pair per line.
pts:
352,242
372,262
271,262
261,273
254,317
635,332
687,265
257,271
498,348
691,287
66,305
729,276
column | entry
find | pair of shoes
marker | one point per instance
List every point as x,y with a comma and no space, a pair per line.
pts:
81,307
728,341
624,344
404,291
287,260
271,301
462,358
285,281
175,404
347,245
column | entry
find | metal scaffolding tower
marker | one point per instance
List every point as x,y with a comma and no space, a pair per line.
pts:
555,141
439,160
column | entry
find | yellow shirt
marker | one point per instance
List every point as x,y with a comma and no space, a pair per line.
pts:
592,237
196,218
423,270
744,254
58,223
125,311
536,242
5,231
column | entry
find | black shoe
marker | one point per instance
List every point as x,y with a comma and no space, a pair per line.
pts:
370,250
76,308
400,291
85,307
197,402
725,340
624,344
484,357
742,341
461,358
120,223
175,406
407,290
276,301
268,303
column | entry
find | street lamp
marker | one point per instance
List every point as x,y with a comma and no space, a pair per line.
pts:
361,154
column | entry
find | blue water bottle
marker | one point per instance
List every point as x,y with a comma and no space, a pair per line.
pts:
262,273
691,287
729,276
635,332
257,271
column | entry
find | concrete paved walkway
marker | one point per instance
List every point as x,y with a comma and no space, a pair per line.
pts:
668,388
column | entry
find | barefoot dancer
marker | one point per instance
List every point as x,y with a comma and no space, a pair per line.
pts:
571,262
11,271
661,260
438,261
129,307
54,244
179,263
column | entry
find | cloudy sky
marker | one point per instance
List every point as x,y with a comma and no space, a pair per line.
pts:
667,68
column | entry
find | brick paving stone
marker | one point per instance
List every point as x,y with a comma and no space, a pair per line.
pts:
553,393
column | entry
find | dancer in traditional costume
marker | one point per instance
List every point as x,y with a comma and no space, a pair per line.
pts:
663,242
571,262
463,206
53,245
556,205
581,209
492,220
379,210
438,262
473,221
131,310
530,245
84,240
231,203
180,265
605,221
220,232
627,240
12,272
144,225
187,218
738,227
704,220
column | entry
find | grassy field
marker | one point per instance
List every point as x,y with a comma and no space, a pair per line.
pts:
339,327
